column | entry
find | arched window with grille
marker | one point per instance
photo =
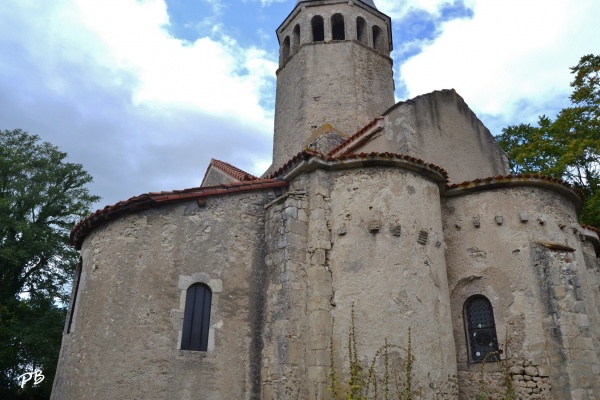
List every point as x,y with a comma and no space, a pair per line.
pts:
196,317
481,329
318,28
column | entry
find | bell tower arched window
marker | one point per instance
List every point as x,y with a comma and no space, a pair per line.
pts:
196,317
378,39
338,30
361,30
318,28
296,38
481,329
285,49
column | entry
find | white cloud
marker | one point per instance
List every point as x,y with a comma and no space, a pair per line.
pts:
512,52
266,3
141,109
399,9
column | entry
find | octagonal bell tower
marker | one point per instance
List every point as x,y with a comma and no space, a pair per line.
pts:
334,68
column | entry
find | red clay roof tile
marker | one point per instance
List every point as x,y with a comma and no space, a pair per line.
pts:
153,199
230,170
517,178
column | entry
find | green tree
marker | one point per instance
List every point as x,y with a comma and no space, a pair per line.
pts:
568,146
41,197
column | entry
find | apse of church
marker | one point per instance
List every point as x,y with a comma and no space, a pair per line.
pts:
375,218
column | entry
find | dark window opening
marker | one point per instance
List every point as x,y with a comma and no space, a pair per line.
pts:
296,38
481,329
74,296
196,318
318,29
378,39
285,49
361,30
338,31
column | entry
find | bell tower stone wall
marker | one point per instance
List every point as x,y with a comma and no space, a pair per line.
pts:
334,68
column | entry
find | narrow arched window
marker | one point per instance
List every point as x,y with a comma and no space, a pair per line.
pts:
338,30
361,30
285,49
318,29
378,39
196,318
481,329
295,38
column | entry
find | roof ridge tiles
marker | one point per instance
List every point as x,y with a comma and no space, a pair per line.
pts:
351,139
519,177
151,199
231,170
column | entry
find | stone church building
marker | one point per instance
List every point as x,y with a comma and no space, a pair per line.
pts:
374,218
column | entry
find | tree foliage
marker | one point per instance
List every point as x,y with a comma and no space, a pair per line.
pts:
41,197
569,145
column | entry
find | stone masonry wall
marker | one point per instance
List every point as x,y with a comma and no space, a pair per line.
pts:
369,237
342,83
521,249
125,338
440,128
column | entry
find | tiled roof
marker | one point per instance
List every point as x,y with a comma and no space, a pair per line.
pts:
591,228
230,170
517,179
307,154
152,199
303,155
354,139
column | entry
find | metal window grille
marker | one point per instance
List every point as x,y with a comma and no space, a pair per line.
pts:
481,329
196,318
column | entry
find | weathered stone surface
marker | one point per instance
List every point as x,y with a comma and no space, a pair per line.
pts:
361,247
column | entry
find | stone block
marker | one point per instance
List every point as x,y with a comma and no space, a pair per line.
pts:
290,212
317,215
295,353
543,370
559,292
319,257
317,274
297,227
316,303
322,288
318,358
319,342
320,321
531,371
317,202
302,215
516,370
317,374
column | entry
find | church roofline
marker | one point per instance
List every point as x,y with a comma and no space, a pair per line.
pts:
307,161
360,137
524,180
228,169
153,199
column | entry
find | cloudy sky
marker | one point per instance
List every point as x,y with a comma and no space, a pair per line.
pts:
144,92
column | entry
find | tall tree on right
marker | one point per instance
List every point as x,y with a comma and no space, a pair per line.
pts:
568,146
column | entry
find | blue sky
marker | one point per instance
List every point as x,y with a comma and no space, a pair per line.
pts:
144,92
